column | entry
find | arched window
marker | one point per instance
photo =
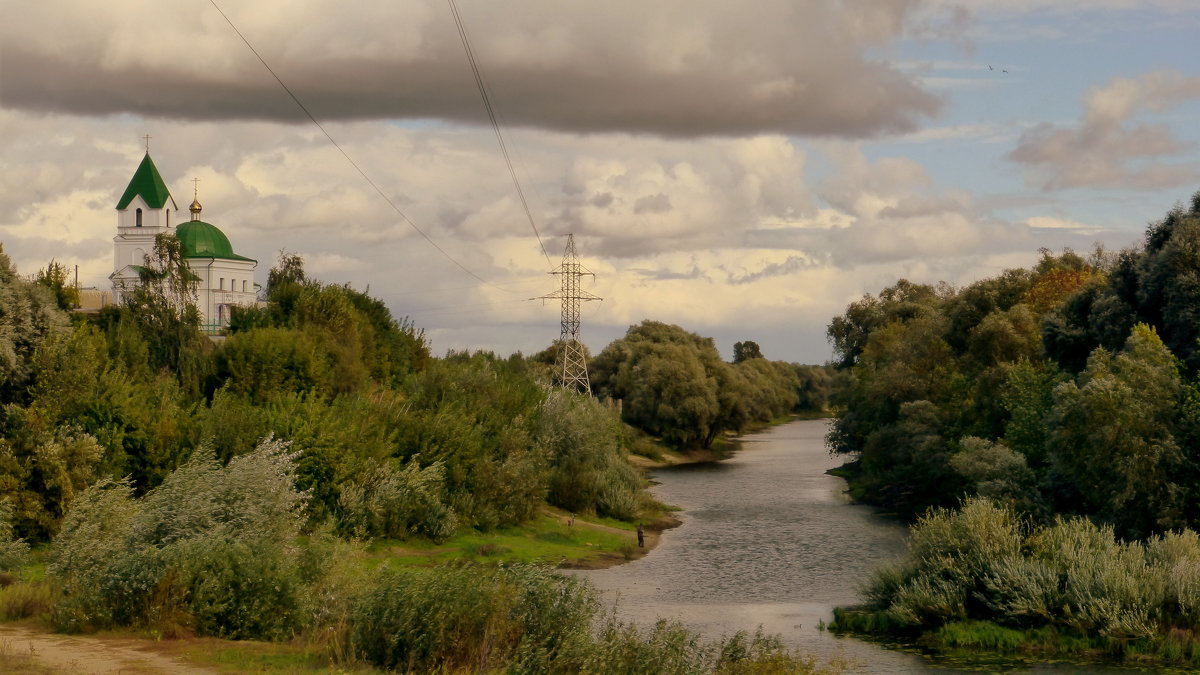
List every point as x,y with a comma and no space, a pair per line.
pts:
168,217
139,218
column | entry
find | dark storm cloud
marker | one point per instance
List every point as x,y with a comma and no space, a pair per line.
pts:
673,68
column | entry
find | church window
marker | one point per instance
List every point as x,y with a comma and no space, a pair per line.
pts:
168,217
139,218
243,285
222,286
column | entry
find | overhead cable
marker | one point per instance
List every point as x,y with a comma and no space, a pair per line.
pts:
349,159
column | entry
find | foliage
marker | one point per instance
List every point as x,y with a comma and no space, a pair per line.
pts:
744,351
162,306
589,472
42,470
982,563
526,617
14,552
211,549
672,384
1110,435
398,502
56,278
28,316
1067,387
262,362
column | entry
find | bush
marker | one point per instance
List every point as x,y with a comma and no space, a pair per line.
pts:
397,503
211,549
14,553
423,620
975,565
589,471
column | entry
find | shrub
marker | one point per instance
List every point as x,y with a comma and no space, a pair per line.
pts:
14,553
589,472
391,502
481,618
974,565
213,548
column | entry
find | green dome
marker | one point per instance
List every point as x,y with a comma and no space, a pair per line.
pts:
203,240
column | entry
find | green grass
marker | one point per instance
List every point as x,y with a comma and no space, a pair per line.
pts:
547,539
976,641
263,657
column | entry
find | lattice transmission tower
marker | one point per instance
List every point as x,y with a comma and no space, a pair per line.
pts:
572,363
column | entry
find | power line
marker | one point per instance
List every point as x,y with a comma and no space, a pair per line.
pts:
345,154
487,105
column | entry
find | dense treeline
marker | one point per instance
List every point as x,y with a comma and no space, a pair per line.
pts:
1067,388
1062,402
673,385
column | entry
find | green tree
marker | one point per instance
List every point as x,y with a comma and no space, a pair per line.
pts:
902,301
261,362
744,351
1111,436
667,380
28,316
162,307
1169,281
56,278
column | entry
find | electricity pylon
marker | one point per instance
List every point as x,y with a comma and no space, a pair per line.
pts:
572,364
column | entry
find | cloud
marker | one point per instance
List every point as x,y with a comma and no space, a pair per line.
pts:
1107,149
1053,223
677,68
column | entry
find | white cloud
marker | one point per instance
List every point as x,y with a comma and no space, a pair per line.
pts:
1107,148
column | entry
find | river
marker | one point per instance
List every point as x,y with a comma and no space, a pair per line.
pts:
768,538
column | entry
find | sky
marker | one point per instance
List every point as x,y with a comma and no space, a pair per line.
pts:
744,170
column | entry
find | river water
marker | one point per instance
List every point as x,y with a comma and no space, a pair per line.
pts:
769,539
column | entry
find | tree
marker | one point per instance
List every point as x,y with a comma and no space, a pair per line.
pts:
28,316
744,351
1169,281
1111,436
163,308
668,380
56,278
902,301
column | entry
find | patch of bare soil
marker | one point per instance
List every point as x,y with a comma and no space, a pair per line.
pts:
84,655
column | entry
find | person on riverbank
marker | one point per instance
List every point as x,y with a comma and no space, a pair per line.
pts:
641,537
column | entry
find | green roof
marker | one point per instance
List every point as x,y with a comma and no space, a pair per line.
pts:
204,240
147,183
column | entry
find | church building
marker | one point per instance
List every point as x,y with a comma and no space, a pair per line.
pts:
147,209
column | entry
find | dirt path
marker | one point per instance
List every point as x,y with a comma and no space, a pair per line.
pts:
78,655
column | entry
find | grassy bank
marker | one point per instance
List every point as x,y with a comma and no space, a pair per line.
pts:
554,537
978,641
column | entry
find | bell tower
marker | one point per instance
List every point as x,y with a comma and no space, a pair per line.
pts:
145,210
